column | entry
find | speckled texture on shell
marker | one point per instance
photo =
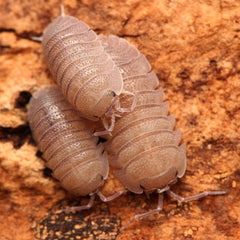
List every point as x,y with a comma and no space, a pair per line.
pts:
133,65
67,143
143,146
85,73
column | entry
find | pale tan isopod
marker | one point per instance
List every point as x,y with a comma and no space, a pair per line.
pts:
144,146
85,73
144,149
68,145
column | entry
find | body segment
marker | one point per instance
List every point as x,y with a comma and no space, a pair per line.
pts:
67,142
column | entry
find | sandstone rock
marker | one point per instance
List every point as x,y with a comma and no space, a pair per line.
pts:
194,49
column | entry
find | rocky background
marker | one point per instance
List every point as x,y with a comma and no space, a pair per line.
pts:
194,47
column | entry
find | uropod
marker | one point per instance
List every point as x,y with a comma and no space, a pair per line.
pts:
77,159
144,148
87,76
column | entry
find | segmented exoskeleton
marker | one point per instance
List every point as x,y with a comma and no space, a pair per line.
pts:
92,73
134,67
144,149
85,73
143,146
68,145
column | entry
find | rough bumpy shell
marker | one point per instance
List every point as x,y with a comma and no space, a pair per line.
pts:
143,146
67,143
85,73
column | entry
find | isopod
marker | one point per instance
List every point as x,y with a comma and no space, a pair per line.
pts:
68,145
86,74
144,148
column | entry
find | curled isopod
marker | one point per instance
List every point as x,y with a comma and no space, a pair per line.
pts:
84,71
144,148
67,143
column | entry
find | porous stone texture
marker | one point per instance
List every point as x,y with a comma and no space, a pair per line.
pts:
194,47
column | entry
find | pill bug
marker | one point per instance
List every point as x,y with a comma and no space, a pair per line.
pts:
87,76
144,149
68,145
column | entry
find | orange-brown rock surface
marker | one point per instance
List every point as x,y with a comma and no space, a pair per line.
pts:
194,47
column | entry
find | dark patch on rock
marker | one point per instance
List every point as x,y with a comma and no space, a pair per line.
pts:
96,223
47,172
22,99
16,135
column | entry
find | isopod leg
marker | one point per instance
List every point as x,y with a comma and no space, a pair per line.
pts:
37,39
112,197
194,197
113,119
158,209
108,129
80,208
62,10
134,102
